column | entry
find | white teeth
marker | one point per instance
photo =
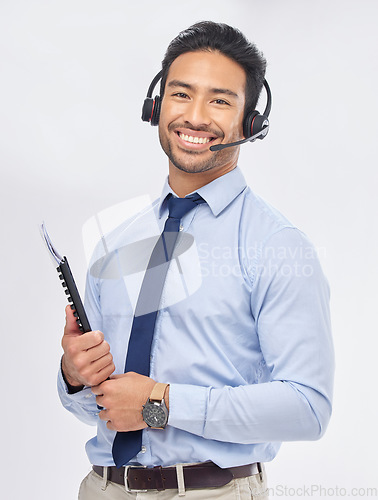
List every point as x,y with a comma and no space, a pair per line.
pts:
194,139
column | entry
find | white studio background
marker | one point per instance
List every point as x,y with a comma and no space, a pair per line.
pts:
73,78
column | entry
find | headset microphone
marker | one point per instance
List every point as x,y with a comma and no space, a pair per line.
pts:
259,135
255,125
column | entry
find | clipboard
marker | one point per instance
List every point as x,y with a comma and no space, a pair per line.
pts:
68,282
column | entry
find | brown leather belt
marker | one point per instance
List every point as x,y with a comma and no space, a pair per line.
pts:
205,475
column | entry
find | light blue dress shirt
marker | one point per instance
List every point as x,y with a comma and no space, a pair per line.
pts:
242,335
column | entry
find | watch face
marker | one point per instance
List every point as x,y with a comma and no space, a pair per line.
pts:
154,414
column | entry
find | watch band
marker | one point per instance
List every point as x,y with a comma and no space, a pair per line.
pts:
158,392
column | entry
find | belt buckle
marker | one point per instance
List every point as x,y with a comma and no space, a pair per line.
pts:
127,488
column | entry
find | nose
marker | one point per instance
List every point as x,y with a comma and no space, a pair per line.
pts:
197,113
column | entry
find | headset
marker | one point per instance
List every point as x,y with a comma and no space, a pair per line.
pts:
255,125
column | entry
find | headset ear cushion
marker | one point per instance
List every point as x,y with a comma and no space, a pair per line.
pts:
156,111
248,121
258,124
147,109
255,123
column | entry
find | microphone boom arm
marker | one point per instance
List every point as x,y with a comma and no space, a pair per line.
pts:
262,133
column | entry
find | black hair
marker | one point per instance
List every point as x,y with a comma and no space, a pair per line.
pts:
211,36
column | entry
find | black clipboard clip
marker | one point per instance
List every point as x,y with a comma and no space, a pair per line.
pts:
68,282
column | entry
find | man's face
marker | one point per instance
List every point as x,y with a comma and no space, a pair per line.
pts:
203,104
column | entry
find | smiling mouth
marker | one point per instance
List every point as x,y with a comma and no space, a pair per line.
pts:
195,139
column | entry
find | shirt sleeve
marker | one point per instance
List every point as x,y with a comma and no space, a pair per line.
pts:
82,404
290,307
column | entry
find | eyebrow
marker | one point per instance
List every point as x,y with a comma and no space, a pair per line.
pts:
179,83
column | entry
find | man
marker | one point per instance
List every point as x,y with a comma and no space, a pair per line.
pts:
242,334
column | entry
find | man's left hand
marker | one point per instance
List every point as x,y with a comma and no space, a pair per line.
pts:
122,397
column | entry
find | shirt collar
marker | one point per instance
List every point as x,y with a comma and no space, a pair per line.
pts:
218,194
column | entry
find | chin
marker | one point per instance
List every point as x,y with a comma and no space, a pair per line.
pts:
197,162
192,167
192,163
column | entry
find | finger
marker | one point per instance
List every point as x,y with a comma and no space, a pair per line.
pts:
104,366
90,355
98,351
100,388
72,329
89,340
71,326
98,377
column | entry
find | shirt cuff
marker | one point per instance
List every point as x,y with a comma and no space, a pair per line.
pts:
188,407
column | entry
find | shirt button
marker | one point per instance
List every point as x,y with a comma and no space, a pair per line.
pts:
143,450
181,227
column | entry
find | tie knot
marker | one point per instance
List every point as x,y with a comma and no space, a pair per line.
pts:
178,207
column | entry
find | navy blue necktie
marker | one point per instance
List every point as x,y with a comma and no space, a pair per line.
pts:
127,444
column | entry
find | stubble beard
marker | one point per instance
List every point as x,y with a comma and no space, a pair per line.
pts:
193,164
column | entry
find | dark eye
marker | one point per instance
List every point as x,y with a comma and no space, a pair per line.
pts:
221,101
181,95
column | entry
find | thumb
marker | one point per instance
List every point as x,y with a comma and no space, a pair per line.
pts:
71,327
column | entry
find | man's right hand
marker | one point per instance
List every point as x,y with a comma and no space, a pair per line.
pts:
87,359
